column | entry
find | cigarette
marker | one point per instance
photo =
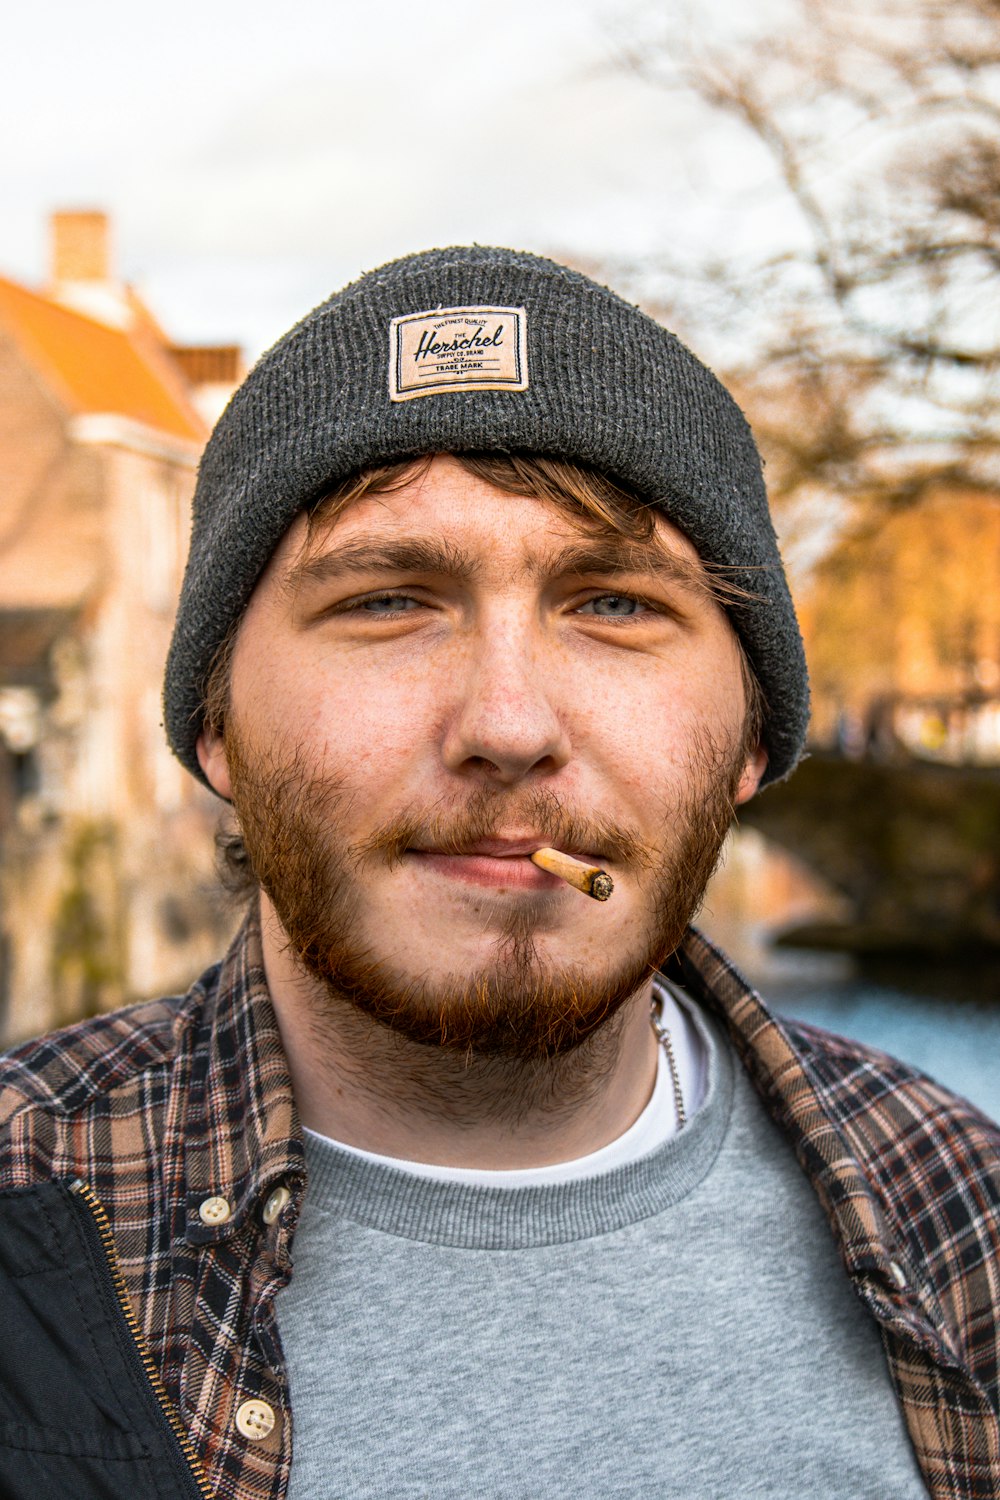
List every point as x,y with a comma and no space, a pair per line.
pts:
590,879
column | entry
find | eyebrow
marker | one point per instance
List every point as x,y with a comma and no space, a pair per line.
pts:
375,555
617,555
609,556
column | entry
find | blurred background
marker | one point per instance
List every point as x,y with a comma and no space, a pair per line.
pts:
807,194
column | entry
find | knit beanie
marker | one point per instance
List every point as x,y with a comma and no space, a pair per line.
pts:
477,349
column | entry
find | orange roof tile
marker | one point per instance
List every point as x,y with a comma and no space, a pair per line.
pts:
93,368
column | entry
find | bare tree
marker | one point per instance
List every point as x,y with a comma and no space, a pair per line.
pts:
867,345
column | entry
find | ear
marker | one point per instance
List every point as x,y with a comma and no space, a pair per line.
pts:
752,772
211,751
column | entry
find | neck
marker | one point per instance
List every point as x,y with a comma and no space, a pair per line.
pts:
361,1083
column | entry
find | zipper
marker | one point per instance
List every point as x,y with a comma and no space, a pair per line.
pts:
167,1407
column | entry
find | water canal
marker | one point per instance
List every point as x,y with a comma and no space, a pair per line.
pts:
942,1017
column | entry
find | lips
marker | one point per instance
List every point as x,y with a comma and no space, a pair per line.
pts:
498,864
507,849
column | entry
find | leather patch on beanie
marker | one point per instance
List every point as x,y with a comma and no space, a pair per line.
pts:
458,348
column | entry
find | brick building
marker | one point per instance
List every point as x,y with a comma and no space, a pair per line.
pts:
902,626
106,874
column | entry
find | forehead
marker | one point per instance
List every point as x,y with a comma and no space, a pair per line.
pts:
488,527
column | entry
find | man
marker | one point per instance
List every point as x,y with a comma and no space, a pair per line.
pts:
481,566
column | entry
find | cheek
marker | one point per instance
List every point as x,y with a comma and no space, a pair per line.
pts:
655,718
351,727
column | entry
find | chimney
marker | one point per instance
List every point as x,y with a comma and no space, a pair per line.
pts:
80,246
213,371
81,275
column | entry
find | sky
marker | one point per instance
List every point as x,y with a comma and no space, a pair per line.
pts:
255,156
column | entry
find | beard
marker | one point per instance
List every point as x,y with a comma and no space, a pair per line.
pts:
520,1005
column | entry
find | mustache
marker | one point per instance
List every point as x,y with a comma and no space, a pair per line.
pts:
489,814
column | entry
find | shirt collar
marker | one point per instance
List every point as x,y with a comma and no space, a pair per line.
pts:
241,1134
797,1103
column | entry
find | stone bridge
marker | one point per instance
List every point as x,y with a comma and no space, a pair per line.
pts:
913,844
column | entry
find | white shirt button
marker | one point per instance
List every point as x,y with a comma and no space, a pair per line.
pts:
255,1419
275,1203
898,1274
214,1211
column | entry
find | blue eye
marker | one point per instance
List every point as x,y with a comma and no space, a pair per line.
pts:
631,606
396,604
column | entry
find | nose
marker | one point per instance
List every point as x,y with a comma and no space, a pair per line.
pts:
505,722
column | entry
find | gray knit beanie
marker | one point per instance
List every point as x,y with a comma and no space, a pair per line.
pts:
481,349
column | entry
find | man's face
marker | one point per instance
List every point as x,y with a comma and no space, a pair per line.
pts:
444,680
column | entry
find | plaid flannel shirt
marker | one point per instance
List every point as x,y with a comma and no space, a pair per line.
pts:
165,1105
